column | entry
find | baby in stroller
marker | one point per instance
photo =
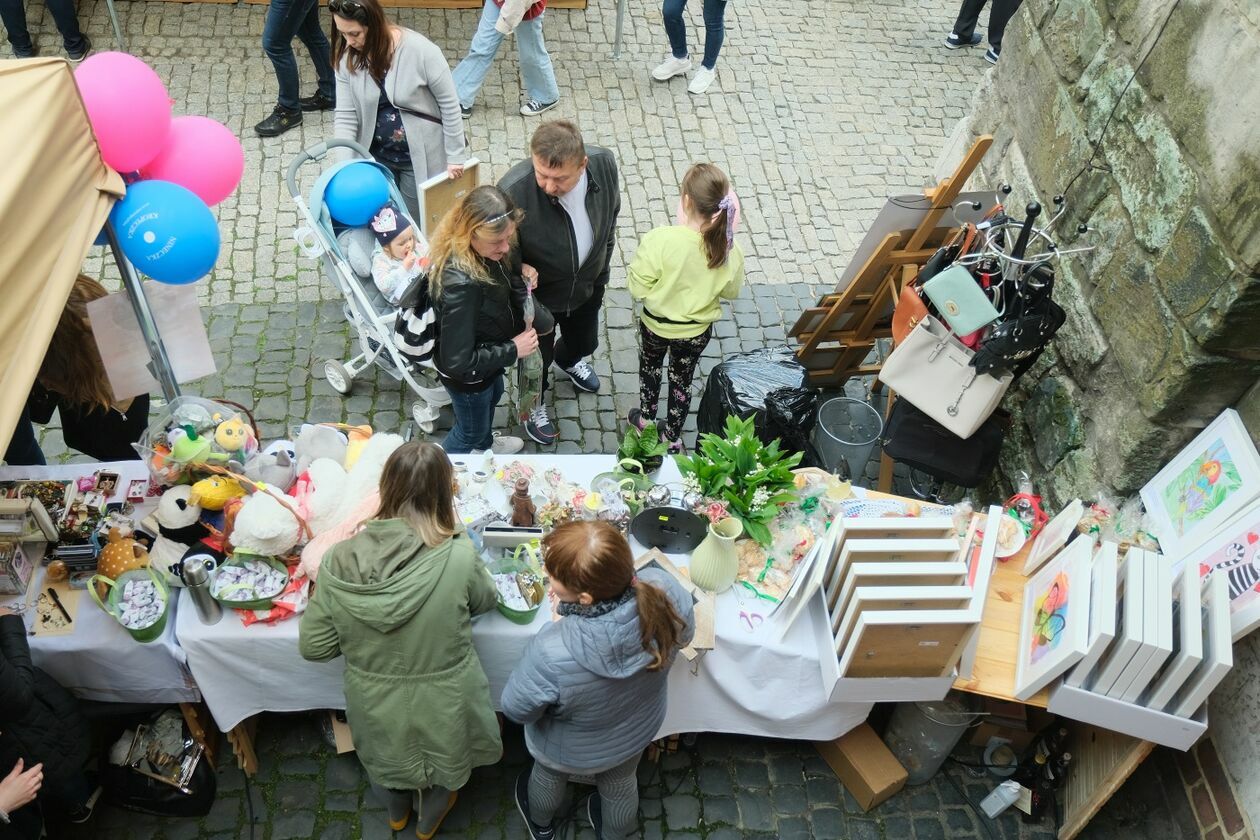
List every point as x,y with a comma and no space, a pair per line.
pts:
400,254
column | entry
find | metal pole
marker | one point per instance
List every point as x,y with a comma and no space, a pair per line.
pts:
159,363
621,16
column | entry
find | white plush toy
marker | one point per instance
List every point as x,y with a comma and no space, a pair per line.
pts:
265,526
315,442
336,492
323,506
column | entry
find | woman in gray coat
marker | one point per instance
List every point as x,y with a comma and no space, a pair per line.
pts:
591,687
395,96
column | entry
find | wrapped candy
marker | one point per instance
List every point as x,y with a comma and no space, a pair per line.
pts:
141,604
252,580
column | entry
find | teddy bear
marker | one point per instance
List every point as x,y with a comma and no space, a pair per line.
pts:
265,526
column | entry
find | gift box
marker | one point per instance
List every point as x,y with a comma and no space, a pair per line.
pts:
15,568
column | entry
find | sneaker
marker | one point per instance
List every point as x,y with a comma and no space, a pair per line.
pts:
671,67
991,55
465,112
76,57
539,427
83,813
635,418
536,832
316,102
676,447
26,52
594,814
280,121
953,42
506,444
583,376
533,107
702,81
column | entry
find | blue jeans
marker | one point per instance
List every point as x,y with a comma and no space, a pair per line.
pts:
287,19
13,14
536,69
474,418
714,29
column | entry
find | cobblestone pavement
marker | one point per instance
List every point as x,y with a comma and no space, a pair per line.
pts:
820,110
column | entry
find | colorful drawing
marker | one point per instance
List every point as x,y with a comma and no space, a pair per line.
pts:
1049,618
1235,553
1201,487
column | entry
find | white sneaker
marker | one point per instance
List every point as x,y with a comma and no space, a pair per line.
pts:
701,81
671,67
506,444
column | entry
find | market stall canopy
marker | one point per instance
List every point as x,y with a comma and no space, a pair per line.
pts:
55,192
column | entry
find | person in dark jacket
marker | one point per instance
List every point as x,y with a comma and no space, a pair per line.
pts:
478,287
40,723
17,790
591,687
571,198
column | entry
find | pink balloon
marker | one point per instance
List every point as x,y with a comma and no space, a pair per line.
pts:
202,155
128,107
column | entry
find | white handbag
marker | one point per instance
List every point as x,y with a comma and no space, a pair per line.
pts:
932,371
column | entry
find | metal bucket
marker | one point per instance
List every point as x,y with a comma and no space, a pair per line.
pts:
846,434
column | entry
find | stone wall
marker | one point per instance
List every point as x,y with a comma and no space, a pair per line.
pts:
1163,326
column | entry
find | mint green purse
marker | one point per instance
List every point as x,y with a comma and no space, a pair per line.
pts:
961,302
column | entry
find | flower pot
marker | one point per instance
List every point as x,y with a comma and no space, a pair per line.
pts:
714,563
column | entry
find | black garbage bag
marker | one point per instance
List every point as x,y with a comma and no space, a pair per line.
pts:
773,387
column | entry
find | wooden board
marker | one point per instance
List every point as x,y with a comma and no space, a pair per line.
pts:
439,194
903,645
1101,762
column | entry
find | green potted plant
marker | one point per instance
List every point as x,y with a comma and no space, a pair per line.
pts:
754,479
642,452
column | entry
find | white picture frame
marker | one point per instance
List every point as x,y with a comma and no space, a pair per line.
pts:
1157,639
899,599
1054,536
952,573
1204,486
914,643
1129,623
1218,652
1188,644
806,582
1102,612
852,551
1234,551
1054,621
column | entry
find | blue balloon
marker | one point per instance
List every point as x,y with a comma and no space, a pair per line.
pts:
167,232
355,193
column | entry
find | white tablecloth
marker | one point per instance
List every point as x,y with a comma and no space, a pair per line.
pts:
99,660
750,683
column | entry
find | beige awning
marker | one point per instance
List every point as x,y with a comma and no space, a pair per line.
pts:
55,192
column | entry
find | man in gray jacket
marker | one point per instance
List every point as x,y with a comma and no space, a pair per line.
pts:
571,197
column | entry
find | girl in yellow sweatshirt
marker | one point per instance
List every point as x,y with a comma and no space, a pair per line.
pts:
680,272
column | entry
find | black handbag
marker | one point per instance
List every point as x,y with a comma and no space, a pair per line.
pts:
1032,319
916,440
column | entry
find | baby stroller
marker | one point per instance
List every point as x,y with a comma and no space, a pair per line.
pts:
400,341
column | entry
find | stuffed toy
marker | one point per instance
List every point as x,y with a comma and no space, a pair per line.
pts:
236,438
274,467
192,414
365,478
320,505
179,526
313,552
188,447
214,492
358,437
265,526
315,442
120,554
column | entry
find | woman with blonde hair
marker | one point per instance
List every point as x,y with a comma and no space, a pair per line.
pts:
397,601
395,97
478,287
591,687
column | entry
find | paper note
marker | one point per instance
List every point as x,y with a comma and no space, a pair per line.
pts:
49,621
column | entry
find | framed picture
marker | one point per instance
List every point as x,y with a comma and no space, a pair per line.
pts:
1129,623
1204,486
953,573
1053,537
886,551
1218,652
1102,613
874,599
915,643
1233,553
1188,643
1054,623
1157,631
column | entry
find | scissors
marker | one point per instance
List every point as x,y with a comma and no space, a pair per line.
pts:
753,620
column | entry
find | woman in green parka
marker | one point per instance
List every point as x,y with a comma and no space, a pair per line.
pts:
397,600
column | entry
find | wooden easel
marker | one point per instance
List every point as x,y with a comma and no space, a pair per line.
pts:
838,335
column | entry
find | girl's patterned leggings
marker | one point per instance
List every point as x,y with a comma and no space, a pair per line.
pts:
684,355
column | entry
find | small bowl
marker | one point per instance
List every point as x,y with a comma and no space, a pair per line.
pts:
1015,538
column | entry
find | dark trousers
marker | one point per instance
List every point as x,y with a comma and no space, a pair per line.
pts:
684,355
474,418
13,13
1000,13
714,28
286,20
24,448
578,333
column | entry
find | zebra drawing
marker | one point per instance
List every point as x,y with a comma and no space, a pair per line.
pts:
1242,573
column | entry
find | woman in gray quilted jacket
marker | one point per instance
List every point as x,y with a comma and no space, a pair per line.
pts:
591,687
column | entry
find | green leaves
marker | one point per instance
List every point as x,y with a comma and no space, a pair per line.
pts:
646,447
754,479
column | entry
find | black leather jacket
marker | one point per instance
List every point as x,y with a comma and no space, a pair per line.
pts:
546,235
478,320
